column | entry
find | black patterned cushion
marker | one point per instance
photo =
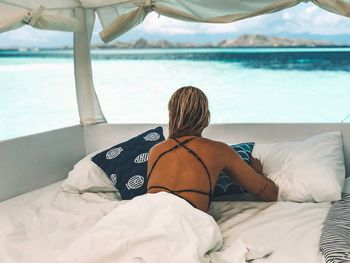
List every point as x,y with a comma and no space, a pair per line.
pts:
225,186
126,163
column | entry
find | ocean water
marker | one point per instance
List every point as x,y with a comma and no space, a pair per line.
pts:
37,91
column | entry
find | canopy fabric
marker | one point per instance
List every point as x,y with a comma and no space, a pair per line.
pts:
120,17
14,15
88,104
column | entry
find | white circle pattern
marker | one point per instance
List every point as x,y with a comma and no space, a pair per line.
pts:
135,182
113,153
153,136
113,178
141,158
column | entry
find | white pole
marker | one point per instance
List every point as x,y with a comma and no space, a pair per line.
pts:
89,107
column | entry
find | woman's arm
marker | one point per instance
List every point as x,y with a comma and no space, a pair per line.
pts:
250,178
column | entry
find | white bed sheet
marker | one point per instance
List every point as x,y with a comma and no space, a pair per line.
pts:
38,226
291,230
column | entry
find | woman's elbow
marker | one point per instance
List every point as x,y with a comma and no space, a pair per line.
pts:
273,195
270,194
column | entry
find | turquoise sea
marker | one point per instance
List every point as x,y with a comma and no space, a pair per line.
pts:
37,91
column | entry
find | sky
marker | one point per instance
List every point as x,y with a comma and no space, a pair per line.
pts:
303,21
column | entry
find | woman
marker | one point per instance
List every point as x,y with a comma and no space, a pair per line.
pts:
188,165
159,227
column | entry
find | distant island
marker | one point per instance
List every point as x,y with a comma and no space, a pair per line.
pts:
266,41
241,41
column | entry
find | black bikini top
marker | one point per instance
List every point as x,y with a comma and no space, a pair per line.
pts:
178,145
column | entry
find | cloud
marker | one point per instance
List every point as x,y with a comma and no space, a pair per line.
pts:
304,18
27,36
316,21
155,24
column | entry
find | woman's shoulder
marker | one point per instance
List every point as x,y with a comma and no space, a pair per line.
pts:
159,146
213,143
203,141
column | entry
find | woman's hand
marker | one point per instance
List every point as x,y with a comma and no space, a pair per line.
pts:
256,165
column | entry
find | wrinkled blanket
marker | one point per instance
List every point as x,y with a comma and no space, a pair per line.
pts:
154,228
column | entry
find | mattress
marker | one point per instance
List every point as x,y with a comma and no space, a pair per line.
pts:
291,230
38,226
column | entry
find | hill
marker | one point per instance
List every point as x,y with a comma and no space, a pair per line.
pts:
241,41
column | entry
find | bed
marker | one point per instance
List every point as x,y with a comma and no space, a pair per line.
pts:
38,226
39,221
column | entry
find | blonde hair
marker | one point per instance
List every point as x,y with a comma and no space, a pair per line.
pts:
188,112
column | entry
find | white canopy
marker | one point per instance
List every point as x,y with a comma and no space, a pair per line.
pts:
119,16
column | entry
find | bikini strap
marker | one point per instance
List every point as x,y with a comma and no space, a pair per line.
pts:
167,151
203,164
174,193
178,145
179,191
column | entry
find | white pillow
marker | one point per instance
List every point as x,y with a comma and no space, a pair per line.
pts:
307,171
86,176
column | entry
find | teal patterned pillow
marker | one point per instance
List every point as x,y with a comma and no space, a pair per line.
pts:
225,185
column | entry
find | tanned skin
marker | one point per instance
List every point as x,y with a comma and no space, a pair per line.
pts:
179,169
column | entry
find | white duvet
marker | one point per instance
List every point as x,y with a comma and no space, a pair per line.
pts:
154,228
46,224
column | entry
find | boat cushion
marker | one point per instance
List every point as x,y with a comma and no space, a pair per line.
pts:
226,188
126,163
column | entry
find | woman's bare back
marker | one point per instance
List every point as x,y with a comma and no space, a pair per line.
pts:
180,169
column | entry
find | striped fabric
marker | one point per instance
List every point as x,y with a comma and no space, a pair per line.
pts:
335,237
